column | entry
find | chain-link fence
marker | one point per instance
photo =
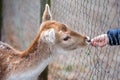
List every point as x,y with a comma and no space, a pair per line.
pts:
89,17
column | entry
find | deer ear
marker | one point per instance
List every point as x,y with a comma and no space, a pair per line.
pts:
47,14
48,36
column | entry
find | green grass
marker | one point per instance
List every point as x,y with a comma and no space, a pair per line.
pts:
68,68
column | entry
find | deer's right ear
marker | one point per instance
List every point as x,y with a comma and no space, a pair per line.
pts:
48,36
47,14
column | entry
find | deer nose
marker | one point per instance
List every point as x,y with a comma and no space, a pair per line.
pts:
88,39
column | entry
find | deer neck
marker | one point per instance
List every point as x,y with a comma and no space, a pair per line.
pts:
34,63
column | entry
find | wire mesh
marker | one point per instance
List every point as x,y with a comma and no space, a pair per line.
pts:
92,18
20,22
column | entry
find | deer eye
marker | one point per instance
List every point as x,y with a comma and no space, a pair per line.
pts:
66,38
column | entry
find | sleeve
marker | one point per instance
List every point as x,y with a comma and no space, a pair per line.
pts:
114,36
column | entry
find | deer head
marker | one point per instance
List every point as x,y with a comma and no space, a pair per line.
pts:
59,34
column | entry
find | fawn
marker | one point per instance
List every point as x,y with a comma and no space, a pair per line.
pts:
53,38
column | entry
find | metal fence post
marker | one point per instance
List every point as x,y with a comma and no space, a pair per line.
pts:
44,74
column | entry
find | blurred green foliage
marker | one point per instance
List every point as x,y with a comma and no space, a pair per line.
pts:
69,68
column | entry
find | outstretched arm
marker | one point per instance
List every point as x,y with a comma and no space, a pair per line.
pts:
112,38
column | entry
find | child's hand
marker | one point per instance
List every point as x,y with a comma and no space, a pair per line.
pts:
100,40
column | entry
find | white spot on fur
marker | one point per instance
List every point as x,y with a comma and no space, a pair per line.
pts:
1,54
2,46
9,66
8,59
16,62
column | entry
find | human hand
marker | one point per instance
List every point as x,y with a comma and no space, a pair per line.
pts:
100,40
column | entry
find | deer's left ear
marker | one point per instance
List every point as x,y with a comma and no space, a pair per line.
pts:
47,14
48,36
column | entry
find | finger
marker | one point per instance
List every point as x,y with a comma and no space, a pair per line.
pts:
95,40
94,44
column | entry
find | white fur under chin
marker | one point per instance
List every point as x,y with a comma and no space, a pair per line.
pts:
31,74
